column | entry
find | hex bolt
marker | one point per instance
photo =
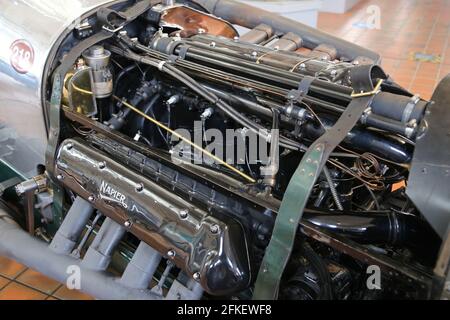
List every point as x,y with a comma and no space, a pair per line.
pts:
69,146
184,214
91,198
102,165
140,187
214,229
60,177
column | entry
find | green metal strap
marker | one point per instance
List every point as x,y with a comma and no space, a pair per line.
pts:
302,183
294,201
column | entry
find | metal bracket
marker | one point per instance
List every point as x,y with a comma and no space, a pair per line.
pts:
302,182
370,93
112,30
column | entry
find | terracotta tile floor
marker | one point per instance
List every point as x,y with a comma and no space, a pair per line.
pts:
407,27
20,283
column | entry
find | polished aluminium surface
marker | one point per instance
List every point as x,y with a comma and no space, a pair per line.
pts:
38,27
195,240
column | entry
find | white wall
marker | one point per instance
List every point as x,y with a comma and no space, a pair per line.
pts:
305,11
338,6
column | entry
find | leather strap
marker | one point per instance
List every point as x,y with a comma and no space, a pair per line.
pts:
303,89
300,187
112,20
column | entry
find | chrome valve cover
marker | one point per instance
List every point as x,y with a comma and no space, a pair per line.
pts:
213,251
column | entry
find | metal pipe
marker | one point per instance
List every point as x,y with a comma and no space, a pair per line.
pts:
16,244
77,252
377,228
72,227
142,267
99,253
191,290
258,34
250,17
394,106
358,138
367,141
29,201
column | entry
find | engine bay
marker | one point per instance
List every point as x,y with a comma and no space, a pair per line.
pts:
264,164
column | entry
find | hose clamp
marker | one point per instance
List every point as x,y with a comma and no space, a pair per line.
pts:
410,108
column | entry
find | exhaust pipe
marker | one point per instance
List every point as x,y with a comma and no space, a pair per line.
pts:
18,245
378,228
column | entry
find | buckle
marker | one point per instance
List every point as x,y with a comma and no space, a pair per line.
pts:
370,93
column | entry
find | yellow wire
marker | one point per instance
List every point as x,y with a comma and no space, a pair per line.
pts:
174,133
159,124
81,90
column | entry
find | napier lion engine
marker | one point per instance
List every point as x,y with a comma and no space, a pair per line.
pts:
203,149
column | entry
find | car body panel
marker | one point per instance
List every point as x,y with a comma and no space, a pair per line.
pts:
36,26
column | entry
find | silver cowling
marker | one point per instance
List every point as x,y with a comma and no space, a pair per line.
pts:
212,250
